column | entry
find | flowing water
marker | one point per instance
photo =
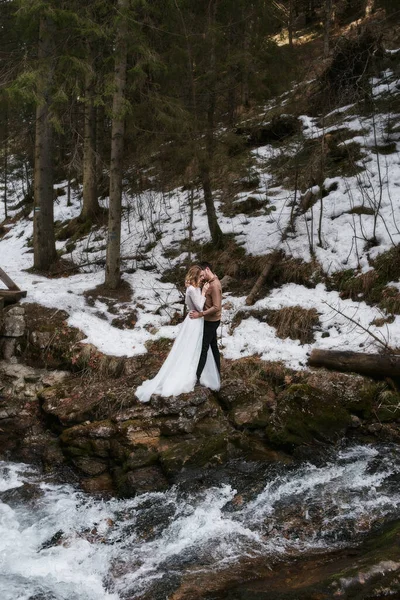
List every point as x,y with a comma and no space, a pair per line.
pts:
57,543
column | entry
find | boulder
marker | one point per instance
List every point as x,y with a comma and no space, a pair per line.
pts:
90,440
304,414
247,405
101,484
8,347
196,452
227,282
13,322
356,393
146,479
70,408
89,465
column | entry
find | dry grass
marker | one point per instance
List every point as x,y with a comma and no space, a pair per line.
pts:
296,270
380,322
391,300
372,286
258,372
294,322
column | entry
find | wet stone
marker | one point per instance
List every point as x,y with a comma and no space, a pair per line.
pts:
146,479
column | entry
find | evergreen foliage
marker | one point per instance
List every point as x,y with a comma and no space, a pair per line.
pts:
192,70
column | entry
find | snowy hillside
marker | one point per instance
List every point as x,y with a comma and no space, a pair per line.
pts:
360,220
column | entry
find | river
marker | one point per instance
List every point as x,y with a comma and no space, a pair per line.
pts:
57,543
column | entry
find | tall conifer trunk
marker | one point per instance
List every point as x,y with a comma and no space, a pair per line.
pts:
5,165
91,205
113,260
290,23
327,26
206,162
44,247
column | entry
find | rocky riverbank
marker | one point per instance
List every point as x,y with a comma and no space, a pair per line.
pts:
86,415
73,410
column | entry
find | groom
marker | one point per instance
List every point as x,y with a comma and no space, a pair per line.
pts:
212,317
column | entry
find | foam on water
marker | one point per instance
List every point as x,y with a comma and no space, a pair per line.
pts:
65,545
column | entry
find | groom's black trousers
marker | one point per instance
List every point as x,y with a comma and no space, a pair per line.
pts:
209,339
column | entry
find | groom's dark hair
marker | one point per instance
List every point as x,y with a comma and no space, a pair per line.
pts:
205,265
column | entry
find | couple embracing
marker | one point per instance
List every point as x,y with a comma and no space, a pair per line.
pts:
194,357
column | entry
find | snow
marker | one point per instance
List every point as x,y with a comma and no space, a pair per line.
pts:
154,224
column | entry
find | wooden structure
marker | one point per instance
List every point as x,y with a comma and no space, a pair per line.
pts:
381,365
12,294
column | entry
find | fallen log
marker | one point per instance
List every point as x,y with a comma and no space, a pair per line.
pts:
382,365
8,281
271,260
11,296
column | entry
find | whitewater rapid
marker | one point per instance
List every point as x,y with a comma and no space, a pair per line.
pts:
57,543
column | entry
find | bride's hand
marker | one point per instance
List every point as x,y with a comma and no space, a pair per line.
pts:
205,288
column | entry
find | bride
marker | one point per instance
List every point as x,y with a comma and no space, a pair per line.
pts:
178,373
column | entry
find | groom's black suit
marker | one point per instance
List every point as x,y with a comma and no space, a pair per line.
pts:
212,320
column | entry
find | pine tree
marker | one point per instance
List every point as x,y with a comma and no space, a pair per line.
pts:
113,267
44,247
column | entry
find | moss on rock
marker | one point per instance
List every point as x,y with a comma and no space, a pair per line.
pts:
196,452
305,414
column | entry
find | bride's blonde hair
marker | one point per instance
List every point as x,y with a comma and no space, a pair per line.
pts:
193,276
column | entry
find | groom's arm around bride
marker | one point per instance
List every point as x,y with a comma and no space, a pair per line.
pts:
212,318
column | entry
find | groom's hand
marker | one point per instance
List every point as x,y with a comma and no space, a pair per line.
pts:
194,314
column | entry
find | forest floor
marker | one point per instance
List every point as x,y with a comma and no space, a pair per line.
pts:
337,285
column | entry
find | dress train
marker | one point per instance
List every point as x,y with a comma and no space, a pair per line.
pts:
178,373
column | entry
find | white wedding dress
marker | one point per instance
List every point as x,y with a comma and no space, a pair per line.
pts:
178,373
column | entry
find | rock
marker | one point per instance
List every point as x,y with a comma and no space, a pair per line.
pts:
304,414
141,457
355,392
91,439
385,432
30,392
70,409
16,310
102,484
175,404
248,405
355,421
32,377
52,455
21,380
197,452
25,493
40,339
136,433
190,416
14,322
89,465
8,348
55,378
227,281
252,415
147,479
42,447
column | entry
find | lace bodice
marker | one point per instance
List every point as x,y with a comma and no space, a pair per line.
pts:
193,299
